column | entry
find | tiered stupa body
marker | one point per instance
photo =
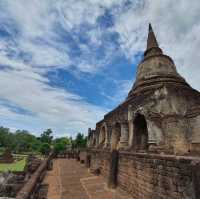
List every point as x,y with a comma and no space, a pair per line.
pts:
160,114
155,68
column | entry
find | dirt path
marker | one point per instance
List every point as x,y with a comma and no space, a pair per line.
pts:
71,180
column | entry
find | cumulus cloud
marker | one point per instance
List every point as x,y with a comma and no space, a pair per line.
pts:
51,106
45,32
33,44
38,37
176,25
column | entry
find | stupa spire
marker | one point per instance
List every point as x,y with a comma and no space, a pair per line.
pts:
152,44
156,68
151,41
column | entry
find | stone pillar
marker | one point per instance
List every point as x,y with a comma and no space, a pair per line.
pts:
97,139
131,133
131,126
124,139
113,139
89,138
108,136
152,136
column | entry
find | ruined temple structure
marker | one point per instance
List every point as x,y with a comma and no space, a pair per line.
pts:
155,132
160,114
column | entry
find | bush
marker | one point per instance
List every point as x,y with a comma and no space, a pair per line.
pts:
45,149
59,147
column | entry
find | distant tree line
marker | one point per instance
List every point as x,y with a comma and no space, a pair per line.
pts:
23,141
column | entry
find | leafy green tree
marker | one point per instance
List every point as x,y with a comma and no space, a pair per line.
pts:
25,142
46,136
59,147
6,138
60,144
21,144
80,141
45,149
64,140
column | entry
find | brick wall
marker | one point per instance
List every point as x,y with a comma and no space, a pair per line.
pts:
101,159
157,176
148,176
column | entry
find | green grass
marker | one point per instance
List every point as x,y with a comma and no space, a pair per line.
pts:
16,166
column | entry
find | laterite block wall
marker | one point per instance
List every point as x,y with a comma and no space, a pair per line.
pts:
151,176
101,159
158,177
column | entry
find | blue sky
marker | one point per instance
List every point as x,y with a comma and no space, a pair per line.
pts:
65,63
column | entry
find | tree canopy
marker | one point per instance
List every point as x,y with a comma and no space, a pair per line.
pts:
80,141
46,136
22,141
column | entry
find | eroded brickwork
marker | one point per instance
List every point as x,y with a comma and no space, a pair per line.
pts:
100,159
150,176
154,132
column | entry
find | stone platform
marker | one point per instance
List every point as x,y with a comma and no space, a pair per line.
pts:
71,180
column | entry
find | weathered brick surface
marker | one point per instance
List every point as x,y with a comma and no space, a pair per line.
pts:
154,176
161,115
100,159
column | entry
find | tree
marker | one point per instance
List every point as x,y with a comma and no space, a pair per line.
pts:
60,144
46,136
25,142
59,147
45,148
80,141
6,138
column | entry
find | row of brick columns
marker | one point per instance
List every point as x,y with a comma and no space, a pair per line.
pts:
110,131
124,137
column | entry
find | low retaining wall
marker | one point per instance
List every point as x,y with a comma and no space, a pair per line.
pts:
151,176
100,159
157,176
31,187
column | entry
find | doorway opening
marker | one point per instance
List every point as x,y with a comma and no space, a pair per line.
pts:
140,133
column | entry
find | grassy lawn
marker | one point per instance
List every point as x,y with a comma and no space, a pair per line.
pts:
16,166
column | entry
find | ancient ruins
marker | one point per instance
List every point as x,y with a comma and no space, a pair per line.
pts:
146,148
149,144
28,183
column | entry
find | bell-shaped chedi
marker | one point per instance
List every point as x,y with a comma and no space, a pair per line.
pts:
159,120
155,69
170,104
161,113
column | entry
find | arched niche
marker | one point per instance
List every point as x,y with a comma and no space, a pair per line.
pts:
102,136
116,134
140,132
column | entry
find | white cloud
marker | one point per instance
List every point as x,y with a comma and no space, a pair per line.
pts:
74,13
53,107
177,28
33,31
38,36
